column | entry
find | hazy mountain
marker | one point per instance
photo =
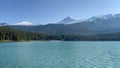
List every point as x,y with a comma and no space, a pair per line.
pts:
103,24
3,24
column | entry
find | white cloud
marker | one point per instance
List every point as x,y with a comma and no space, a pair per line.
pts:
24,23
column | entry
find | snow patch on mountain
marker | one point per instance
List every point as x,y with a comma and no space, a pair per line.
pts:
104,17
70,20
67,20
24,23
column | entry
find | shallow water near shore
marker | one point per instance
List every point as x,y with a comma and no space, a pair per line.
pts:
60,54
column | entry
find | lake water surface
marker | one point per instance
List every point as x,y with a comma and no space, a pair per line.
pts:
60,54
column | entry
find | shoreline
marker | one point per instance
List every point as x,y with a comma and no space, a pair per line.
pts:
60,40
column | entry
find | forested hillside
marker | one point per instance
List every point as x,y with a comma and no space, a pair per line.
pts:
7,34
15,35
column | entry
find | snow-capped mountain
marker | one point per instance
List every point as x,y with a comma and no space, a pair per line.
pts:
26,23
67,20
70,20
102,24
104,17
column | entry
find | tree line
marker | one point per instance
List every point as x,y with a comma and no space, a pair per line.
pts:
16,35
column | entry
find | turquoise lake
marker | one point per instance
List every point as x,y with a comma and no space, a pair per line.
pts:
60,54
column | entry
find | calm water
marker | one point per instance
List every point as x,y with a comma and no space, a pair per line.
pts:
60,55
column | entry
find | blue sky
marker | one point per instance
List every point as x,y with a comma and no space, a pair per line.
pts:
49,11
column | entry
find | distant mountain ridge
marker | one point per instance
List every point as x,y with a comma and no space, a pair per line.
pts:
70,20
3,24
103,24
105,17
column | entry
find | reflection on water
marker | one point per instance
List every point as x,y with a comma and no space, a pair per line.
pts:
60,55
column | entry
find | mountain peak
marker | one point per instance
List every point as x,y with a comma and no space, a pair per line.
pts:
67,20
69,17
